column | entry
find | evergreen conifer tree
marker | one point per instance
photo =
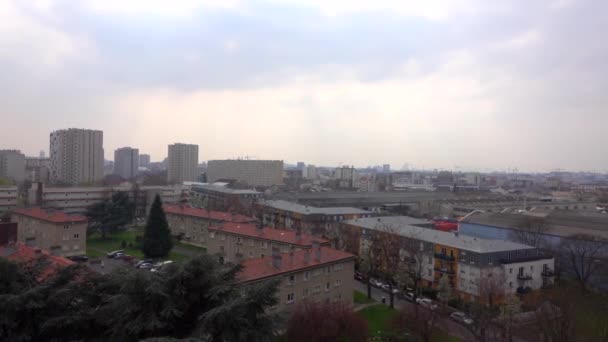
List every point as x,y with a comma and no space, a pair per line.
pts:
157,242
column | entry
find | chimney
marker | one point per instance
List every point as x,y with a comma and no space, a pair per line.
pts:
317,248
30,242
307,256
277,260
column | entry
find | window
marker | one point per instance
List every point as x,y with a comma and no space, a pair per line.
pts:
291,298
521,272
251,242
338,267
510,270
76,237
306,275
443,251
264,245
222,237
212,235
305,293
531,267
66,237
327,269
338,283
511,284
65,226
327,287
291,279
316,289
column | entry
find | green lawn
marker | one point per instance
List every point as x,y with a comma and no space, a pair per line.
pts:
98,247
378,318
361,298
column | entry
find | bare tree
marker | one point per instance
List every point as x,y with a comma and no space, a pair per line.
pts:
412,255
486,309
582,256
531,232
421,323
556,316
508,311
386,246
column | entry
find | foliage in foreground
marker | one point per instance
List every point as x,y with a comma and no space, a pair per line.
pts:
197,299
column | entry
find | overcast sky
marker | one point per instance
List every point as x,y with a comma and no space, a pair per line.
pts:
435,84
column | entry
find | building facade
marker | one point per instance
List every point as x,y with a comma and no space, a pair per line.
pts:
144,160
77,156
223,198
308,219
126,162
55,231
318,274
469,263
76,200
182,163
37,169
257,173
8,198
12,165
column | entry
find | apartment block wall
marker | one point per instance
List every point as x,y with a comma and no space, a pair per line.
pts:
8,198
71,238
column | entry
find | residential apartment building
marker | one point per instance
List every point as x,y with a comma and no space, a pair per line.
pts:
37,169
308,219
257,173
310,172
223,198
192,224
76,200
144,160
24,254
8,198
126,162
12,165
466,261
234,242
347,177
182,163
77,156
55,231
319,274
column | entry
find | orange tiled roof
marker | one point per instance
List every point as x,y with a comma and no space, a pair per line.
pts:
54,216
204,213
261,268
285,236
20,253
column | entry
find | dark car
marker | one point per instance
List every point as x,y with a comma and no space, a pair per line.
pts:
114,253
79,258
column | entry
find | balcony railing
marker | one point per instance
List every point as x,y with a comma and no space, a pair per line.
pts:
445,270
444,257
548,273
524,277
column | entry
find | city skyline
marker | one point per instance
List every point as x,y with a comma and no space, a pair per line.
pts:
438,84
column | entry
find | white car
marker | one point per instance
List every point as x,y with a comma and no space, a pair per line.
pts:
461,317
387,288
427,303
375,283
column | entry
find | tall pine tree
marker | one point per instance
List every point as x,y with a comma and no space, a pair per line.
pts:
157,241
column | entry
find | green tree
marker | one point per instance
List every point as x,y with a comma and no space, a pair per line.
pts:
157,242
444,290
111,215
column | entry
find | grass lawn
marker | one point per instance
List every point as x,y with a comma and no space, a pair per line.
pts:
98,247
361,298
378,318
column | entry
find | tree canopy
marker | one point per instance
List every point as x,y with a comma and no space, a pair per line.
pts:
111,215
198,299
157,241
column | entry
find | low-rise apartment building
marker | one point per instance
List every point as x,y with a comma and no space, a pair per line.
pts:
8,198
257,173
319,274
221,197
76,200
466,261
60,233
235,242
308,219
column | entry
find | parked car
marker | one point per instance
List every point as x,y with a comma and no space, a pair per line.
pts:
359,276
79,258
159,266
146,266
427,303
461,317
141,262
375,283
127,257
387,288
114,253
409,296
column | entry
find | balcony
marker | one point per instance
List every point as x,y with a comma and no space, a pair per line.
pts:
524,277
445,270
548,273
445,257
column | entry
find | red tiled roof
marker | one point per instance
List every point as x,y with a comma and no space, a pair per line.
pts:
285,236
260,268
21,253
204,213
54,216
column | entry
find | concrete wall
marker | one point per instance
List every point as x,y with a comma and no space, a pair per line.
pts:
70,237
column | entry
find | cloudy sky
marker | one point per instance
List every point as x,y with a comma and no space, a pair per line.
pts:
436,84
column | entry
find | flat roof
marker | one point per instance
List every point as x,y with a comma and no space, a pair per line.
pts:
308,210
224,189
405,226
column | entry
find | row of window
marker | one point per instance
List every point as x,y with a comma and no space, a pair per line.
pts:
291,297
66,237
292,278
